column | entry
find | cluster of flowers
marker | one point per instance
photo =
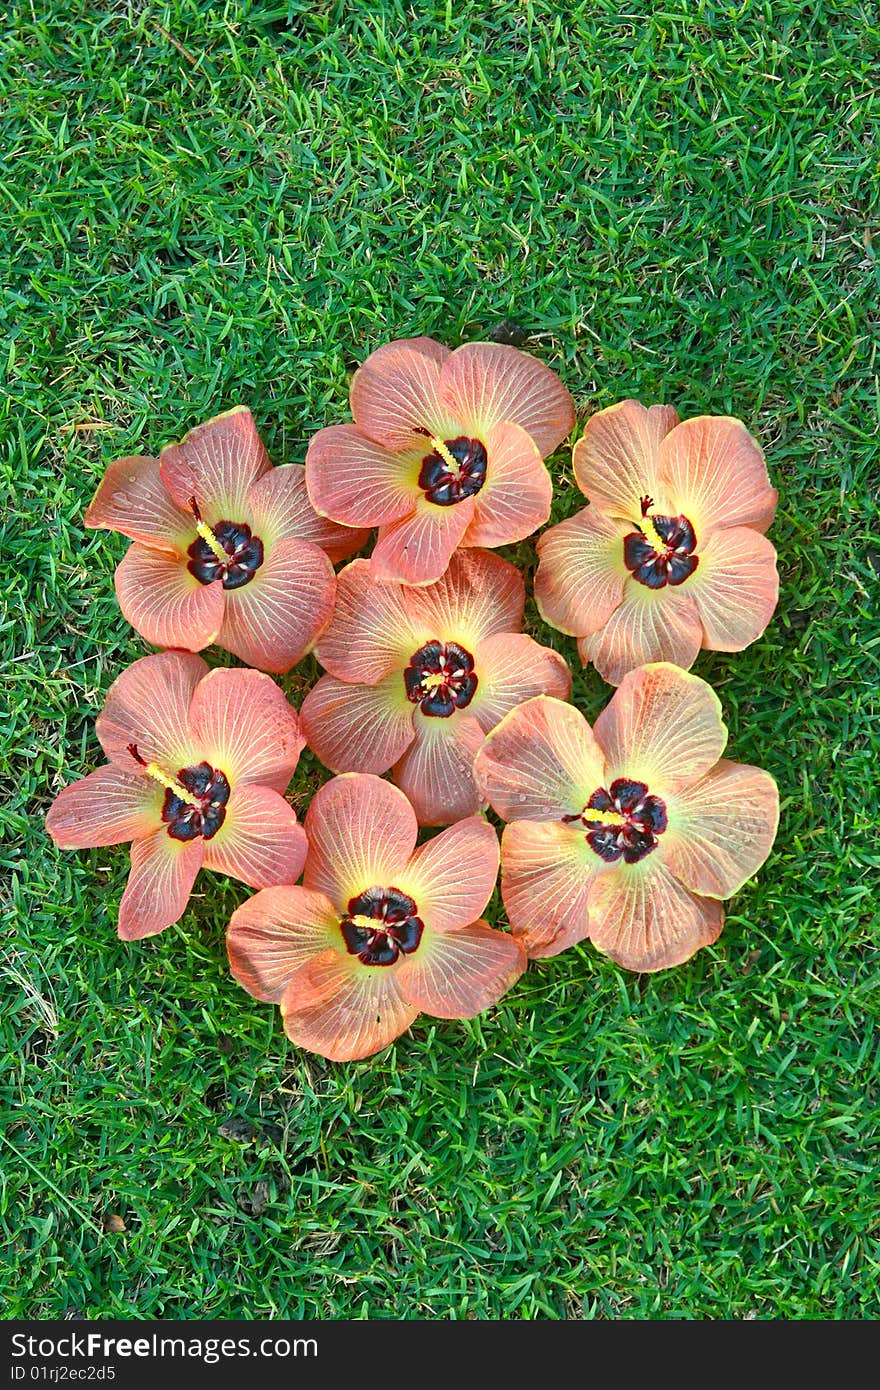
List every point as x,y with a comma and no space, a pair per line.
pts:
630,833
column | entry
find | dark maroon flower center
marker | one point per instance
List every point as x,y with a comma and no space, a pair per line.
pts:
440,678
205,812
660,551
622,822
228,551
380,925
455,469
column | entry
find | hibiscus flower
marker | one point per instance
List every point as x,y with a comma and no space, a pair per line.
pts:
198,762
629,833
418,677
446,449
670,556
380,931
227,549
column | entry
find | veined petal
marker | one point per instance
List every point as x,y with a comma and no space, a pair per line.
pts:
148,704
721,829
375,628
163,871
418,549
616,458
216,463
459,974
436,771
451,878
546,872
107,807
275,619
133,500
259,842
280,507
645,920
735,587
480,594
581,575
648,625
164,602
716,473
354,480
277,932
361,1009
395,393
241,722
511,668
515,499
485,383
540,763
663,727
358,728
361,832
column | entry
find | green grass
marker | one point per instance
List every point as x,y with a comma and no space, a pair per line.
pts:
211,203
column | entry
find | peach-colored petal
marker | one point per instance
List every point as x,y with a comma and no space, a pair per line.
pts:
451,878
581,574
216,463
515,499
645,920
648,625
356,481
479,594
459,974
663,726
358,728
716,473
108,807
163,871
277,932
721,829
164,602
259,842
546,872
280,507
418,549
512,667
541,762
275,619
241,722
615,460
360,1008
485,383
436,771
133,500
735,587
395,393
375,628
361,832
148,704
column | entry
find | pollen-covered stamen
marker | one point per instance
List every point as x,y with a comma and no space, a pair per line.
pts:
155,771
660,550
380,925
455,468
622,822
228,551
195,800
440,678
219,551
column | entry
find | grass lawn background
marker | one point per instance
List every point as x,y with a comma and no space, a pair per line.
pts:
211,204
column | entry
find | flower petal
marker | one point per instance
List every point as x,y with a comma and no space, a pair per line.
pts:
485,383
164,602
360,1011
107,807
480,594
716,472
581,574
512,667
274,934
735,587
163,871
451,878
361,832
418,549
662,727
275,619
436,771
459,974
356,481
216,463
259,842
148,704
280,507
358,728
645,920
133,500
649,625
540,763
546,872
241,722
615,459
515,499
395,392
721,829
375,628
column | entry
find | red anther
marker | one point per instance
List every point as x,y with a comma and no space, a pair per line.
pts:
194,508
133,750
646,504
